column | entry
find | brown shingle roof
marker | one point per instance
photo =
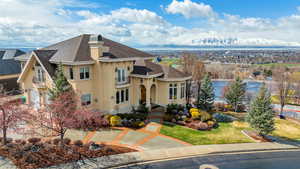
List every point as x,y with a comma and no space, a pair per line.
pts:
77,49
146,67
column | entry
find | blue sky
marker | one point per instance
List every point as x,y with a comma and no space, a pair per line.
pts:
36,23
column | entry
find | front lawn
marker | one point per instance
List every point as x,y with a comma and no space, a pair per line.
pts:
287,129
226,133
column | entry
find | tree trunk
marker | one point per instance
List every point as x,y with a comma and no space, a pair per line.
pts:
198,93
4,126
4,140
281,109
62,137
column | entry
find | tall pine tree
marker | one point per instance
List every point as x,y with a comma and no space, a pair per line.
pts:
236,94
61,83
261,115
206,95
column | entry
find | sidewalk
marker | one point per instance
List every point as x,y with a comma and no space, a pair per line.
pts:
171,153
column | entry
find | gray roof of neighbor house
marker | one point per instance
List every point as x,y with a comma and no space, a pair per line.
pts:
146,67
8,65
77,50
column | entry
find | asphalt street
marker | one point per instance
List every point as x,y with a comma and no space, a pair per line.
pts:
256,160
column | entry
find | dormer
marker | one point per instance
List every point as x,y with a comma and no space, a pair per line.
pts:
97,46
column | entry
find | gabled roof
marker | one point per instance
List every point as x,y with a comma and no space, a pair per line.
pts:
44,56
77,49
8,65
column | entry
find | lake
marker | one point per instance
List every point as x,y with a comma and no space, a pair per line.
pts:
252,88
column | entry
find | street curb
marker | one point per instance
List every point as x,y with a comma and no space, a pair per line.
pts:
190,156
123,160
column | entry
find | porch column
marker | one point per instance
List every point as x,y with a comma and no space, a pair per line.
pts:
148,93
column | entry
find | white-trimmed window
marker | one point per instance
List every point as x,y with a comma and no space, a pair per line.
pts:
173,91
182,90
121,75
40,75
84,73
71,73
122,96
86,99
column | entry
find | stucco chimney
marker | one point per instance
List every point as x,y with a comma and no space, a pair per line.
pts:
97,46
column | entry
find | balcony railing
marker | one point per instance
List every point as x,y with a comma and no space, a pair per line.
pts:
124,82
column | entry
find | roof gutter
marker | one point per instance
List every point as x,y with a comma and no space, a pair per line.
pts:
174,79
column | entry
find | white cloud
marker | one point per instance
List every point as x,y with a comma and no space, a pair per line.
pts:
34,23
190,9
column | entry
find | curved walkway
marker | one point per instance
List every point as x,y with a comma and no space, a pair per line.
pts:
147,138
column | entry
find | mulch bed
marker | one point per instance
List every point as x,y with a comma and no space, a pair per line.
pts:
254,135
28,155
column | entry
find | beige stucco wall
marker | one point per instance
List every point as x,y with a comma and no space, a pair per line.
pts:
27,85
163,92
102,87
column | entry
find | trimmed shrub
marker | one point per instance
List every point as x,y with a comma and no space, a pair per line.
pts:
115,121
67,141
223,118
211,123
34,140
174,108
195,114
205,116
78,143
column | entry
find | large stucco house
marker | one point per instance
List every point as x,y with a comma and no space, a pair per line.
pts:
107,75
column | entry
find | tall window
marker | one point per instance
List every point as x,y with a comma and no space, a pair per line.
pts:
173,91
84,73
71,73
182,91
86,99
121,75
122,96
40,74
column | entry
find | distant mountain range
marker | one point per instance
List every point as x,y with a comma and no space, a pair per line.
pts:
207,47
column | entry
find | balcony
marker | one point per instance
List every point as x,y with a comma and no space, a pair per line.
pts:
122,83
39,83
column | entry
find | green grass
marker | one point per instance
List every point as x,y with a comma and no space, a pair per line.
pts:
279,64
226,133
287,129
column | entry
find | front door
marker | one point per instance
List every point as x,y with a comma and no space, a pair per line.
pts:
143,95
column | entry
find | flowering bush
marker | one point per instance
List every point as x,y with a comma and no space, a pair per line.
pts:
115,121
195,114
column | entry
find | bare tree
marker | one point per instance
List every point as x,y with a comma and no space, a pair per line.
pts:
188,61
197,76
283,84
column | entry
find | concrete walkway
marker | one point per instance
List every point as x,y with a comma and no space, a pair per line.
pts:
173,153
147,138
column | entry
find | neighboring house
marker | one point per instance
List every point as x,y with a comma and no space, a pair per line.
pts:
107,75
9,69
